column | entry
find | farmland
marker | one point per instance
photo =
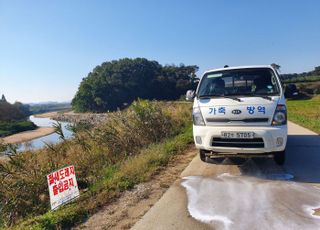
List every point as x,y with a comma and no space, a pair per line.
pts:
305,113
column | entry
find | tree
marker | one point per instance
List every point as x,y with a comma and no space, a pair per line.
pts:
116,84
3,98
23,108
317,70
9,112
302,77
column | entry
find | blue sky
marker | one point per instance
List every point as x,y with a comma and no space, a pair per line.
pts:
47,47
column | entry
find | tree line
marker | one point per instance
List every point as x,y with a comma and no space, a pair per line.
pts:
13,112
13,117
313,75
115,84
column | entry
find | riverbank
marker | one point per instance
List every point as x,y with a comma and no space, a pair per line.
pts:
31,134
46,115
28,135
8,128
72,117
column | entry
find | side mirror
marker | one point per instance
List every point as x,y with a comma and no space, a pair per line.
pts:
190,95
291,91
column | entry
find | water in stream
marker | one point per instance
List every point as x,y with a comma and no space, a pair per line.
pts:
51,138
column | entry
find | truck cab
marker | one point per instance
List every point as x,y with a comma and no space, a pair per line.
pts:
240,111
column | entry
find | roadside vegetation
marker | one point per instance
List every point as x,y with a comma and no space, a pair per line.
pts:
305,109
310,89
128,148
308,83
305,113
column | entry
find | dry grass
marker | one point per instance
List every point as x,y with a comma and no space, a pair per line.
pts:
123,151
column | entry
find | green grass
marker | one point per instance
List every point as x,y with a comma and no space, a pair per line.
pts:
305,113
11,127
117,178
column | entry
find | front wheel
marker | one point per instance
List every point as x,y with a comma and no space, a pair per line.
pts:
280,157
202,155
206,159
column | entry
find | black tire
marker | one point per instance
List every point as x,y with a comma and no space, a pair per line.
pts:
279,157
202,155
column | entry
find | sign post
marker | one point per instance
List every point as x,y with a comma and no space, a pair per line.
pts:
63,186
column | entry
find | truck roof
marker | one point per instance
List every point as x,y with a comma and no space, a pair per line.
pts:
239,67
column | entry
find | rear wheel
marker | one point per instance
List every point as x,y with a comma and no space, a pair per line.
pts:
279,157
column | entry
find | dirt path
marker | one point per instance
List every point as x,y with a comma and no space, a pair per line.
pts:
132,205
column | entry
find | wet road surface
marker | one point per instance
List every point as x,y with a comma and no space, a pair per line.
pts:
251,194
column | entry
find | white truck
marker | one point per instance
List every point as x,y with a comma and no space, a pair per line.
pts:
240,111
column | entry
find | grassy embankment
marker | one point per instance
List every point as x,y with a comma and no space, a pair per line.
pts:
305,113
11,127
129,148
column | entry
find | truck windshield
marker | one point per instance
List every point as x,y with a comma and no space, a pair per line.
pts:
239,82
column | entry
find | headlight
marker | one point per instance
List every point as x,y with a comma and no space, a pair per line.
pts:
197,116
280,115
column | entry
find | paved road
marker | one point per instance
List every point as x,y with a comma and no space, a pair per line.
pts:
249,196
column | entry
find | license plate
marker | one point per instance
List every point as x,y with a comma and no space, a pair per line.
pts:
238,135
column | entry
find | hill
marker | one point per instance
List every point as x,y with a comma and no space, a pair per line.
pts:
9,112
13,118
116,84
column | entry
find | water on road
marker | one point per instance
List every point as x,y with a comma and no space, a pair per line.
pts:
241,202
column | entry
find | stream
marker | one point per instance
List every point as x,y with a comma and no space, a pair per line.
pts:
52,138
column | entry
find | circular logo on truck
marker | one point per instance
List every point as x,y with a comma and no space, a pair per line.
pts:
236,111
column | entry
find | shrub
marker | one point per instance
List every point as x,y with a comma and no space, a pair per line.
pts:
125,132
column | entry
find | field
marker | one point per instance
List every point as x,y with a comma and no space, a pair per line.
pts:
305,113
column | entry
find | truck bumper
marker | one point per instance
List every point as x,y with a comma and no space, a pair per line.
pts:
268,139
